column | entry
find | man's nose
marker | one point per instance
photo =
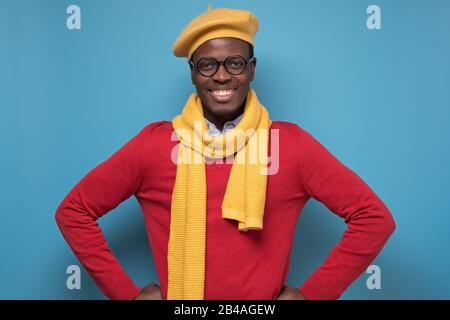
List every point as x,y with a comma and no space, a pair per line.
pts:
222,74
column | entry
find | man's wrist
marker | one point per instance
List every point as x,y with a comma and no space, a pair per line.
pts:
302,296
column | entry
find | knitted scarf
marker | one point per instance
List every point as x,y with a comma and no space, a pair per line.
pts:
244,197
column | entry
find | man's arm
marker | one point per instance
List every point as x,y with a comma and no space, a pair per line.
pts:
369,222
101,190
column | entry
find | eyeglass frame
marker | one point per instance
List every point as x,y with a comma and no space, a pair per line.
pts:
195,65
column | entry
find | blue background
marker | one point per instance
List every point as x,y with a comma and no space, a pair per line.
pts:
378,99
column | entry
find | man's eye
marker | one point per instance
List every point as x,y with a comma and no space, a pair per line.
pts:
236,64
207,65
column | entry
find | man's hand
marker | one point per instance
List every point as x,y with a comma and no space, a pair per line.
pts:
150,292
290,293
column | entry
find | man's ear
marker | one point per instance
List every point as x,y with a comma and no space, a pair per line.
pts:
252,69
192,76
191,69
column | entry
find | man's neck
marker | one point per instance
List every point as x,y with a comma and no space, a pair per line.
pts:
219,121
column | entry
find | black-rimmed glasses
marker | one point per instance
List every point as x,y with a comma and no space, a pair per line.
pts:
208,66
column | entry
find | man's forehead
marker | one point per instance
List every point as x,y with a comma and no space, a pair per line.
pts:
222,48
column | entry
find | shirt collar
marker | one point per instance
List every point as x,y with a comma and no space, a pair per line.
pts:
229,125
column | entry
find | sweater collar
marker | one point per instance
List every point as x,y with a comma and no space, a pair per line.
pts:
213,131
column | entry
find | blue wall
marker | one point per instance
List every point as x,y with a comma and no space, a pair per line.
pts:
378,99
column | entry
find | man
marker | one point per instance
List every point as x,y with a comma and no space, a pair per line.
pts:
220,225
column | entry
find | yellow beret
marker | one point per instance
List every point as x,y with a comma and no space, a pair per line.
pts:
215,23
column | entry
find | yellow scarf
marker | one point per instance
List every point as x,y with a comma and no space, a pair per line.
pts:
244,197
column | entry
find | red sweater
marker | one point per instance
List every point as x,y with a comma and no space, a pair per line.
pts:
239,265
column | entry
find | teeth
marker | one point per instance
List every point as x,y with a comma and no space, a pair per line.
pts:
222,93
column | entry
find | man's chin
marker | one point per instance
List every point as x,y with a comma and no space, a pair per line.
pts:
225,113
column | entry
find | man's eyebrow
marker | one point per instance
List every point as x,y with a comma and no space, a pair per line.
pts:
197,59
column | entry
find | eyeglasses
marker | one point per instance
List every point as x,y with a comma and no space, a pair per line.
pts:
208,66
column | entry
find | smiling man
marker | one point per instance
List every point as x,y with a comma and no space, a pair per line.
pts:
224,229
223,90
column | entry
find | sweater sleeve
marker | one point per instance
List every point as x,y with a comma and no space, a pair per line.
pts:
101,190
369,222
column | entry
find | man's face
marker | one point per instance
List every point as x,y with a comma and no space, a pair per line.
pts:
223,106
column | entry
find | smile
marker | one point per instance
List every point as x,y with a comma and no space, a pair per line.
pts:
222,93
